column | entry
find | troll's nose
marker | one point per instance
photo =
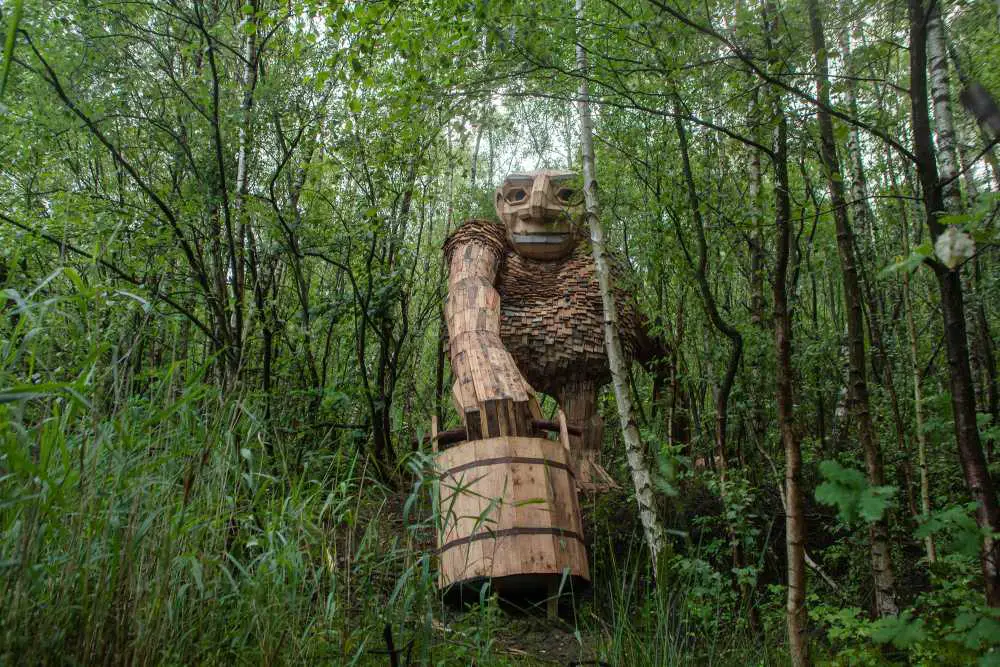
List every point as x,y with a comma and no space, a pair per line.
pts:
536,205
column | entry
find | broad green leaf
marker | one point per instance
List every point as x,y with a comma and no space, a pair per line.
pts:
909,264
848,490
983,633
902,631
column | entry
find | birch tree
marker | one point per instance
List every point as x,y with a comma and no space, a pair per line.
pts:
634,450
881,560
970,451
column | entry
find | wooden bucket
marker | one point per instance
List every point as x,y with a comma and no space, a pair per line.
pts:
510,516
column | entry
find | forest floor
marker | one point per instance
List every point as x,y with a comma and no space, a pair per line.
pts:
522,633
535,640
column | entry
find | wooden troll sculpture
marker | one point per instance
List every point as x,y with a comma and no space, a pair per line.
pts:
524,312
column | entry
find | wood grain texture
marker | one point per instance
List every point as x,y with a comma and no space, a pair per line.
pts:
504,518
550,313
515,324
489,390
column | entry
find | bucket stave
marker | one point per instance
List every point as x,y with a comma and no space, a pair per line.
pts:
509,514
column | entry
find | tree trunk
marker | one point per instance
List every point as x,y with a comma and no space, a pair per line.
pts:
885,585
795,523
796,617
756,241
970,452
944,125
653,529
839,426
859,187
911,331
987,360
732,366
864,222
918,399
249,84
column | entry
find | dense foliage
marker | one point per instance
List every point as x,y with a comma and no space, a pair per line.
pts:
221,334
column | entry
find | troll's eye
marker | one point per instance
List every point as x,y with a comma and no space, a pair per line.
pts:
516,195
567,195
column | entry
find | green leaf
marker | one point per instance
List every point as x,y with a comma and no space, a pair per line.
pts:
983,633
903,630
146,306
909,264
28,392
74,277
874,501
958,526
849,491
956,219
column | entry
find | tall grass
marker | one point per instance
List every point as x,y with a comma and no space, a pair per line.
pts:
155,520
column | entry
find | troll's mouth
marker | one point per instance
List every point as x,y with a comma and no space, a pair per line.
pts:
541,239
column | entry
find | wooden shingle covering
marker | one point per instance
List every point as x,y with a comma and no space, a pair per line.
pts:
551,314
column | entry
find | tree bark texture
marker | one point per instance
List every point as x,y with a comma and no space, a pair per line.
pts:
970,452
885,585
796,617
944,124
634,451
795,523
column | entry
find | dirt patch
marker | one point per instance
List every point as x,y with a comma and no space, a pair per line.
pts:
547,642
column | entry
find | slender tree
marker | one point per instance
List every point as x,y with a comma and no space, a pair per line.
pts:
700,267
795,522
881,559
970,451
634,450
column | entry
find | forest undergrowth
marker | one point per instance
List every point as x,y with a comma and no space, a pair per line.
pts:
223,327
164,522
166,533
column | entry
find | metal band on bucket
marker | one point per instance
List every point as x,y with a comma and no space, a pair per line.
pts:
496,534
509,459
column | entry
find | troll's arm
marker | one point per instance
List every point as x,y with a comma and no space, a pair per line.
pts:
489,391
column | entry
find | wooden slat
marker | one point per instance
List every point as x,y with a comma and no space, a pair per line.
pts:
434,434
501,548
564,432
492,425
473,425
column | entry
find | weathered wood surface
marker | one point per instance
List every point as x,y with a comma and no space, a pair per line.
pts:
455,435
489,391
509,508
549,315
516,324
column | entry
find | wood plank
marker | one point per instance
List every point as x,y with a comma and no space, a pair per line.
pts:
564,432
434,434
473,425
477,513
492,425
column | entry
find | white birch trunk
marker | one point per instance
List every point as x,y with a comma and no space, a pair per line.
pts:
641,479
249,81
859,188
944,125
